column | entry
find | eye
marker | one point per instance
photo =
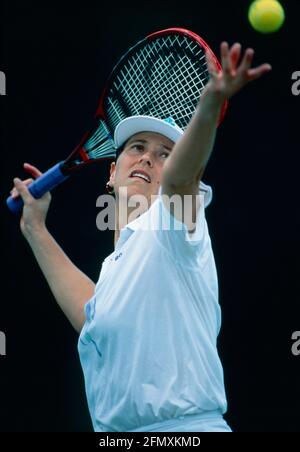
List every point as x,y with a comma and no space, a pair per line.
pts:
139,147
166,154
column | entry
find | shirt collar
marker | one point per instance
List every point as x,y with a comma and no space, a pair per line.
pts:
135,225
131,227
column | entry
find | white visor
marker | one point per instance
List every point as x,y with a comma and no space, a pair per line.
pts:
136,124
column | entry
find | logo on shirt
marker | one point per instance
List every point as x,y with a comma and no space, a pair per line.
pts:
118,256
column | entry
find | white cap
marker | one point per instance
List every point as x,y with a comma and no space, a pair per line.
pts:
167,127
136,124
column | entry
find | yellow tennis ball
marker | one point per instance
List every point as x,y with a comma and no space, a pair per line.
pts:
266,16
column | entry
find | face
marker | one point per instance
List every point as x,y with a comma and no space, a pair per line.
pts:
144,155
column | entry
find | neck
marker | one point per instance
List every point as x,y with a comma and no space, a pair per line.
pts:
124,215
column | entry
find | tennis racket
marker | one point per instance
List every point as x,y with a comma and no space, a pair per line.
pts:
162,75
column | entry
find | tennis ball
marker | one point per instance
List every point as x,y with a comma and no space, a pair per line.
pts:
266,16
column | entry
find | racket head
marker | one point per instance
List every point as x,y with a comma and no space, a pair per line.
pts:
162,75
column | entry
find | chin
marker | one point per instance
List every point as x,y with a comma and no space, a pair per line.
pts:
138,188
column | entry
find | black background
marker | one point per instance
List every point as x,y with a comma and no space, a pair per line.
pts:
56,60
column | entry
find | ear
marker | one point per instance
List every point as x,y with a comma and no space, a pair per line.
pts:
112,171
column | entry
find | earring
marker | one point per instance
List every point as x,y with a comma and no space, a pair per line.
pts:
109,189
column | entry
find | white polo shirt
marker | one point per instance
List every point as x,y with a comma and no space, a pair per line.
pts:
148,346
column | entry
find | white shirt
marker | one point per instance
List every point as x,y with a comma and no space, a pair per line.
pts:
148,346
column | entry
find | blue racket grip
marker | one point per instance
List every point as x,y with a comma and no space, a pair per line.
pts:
39,187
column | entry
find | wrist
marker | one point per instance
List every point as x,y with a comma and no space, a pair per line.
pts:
212,97
210,105
33,232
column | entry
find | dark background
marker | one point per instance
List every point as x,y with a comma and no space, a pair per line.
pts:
56,61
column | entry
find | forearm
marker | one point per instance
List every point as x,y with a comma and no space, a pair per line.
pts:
191,153
70,287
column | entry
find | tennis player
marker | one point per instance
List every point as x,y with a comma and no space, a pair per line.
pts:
148,328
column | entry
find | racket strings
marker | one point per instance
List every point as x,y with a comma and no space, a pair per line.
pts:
161,78
167,82
101,143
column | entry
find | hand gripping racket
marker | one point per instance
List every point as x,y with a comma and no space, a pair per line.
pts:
162,75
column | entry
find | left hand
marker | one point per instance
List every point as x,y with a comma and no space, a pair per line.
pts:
233,77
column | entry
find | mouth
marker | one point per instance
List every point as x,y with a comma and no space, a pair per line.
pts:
141,175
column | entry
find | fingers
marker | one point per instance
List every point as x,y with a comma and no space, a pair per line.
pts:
225,58
245,70
14,192
22,190
20,187
231,58
235,53
32,170
254,74
246,61
235,75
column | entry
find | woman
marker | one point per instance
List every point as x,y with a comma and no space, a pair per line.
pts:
148,331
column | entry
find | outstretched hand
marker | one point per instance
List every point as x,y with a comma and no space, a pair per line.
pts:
233,76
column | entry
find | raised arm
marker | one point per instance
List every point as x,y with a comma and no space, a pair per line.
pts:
70,287
186,164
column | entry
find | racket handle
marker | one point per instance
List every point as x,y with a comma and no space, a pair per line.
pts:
39,187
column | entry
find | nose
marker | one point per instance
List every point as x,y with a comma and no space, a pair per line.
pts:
147,158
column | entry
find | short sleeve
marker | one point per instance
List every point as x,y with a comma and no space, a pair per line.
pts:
173,234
